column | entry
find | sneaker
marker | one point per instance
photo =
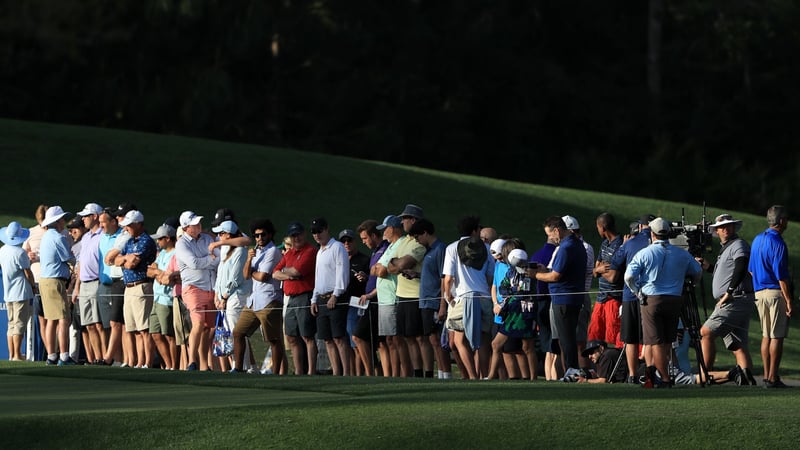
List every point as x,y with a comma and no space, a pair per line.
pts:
252,371
633,380
52,362
233,371
68,362
192,366
124,365
778,384
649,378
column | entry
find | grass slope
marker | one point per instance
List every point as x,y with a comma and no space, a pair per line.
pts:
47,407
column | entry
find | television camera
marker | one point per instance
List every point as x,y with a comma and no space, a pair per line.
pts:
695,238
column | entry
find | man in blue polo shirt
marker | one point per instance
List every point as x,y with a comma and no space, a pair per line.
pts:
566,281
769,265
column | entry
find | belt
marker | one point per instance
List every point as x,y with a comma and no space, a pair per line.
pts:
136,283
90,281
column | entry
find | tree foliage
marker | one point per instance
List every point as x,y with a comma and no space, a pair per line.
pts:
542,91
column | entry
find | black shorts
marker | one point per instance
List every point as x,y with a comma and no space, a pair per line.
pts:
331,323
299,322
631,323
430,322
409,319
367,326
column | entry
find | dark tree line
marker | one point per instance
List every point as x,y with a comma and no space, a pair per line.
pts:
689,100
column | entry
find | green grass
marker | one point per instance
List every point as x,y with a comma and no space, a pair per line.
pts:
97,407
93,407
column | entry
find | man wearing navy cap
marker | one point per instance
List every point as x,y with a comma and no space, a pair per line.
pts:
296,271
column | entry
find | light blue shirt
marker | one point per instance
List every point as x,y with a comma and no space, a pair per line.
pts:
54,255
162,294
107,273
198,267
230,274
13,261
269,291
660,269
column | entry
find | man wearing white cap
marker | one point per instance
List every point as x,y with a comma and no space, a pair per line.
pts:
198,269
138,254
88,279
732,286
656,276
18,285
56,260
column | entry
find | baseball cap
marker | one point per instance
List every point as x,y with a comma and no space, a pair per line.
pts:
123,209
164,230
227,226
591,347
660,227
518,259
189,218
133,216
646,219
318,224
390,221
76,222
295,228
571,222
90,208
497,246
347,233
222,215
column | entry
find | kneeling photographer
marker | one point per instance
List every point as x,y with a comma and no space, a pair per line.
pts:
732,286
605,361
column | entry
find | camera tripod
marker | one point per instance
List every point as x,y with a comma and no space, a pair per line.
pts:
691,320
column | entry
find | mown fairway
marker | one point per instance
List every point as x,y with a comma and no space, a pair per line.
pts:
97,407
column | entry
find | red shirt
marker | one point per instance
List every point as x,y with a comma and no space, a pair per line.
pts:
304,260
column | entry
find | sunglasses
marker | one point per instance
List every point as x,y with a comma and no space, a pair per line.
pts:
346,240
258,235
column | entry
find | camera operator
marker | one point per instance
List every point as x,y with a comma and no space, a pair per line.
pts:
656,275
604,360
732,286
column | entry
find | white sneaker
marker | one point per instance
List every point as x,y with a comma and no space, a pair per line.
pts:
252,370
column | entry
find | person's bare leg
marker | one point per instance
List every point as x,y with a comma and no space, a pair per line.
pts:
709,347
333,357
660,360
529,349
775,355
632,358
466,354
497,353
765,356
311,353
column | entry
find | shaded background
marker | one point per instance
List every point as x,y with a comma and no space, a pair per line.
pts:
688,101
